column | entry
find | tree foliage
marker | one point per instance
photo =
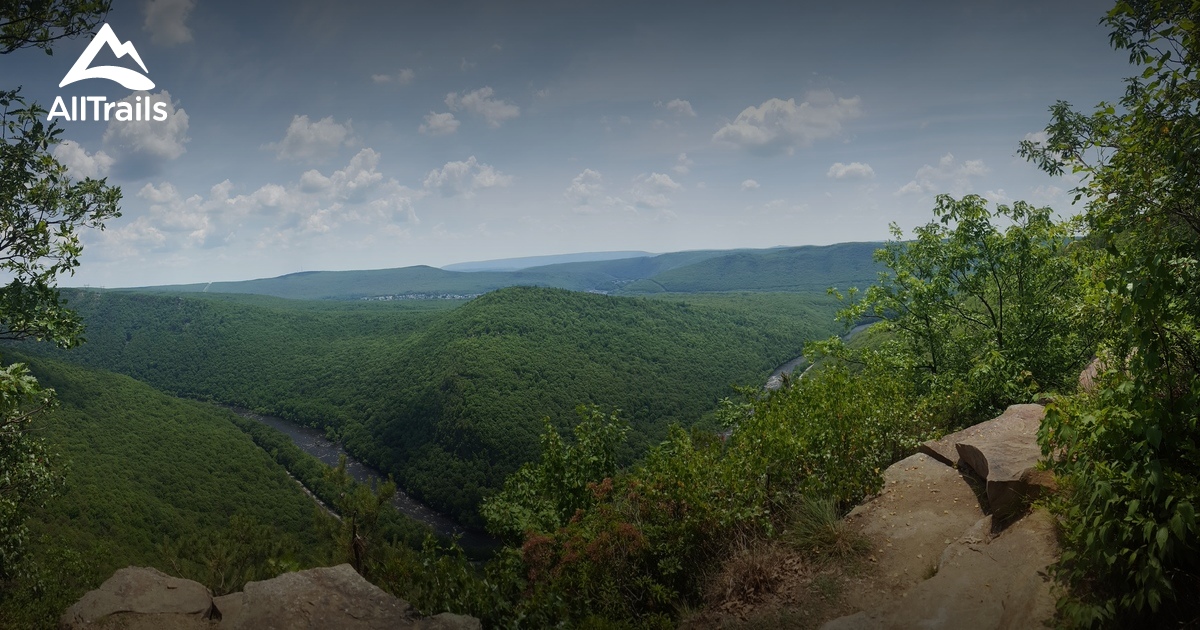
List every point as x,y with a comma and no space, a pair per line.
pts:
1130,453
41,23
983,302
466,384
41,211
150,480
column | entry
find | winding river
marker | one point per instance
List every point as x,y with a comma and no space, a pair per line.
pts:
314,443
775,381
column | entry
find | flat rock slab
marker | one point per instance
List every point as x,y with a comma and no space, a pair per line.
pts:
1004,452
980,584
945,451
142,591
923,507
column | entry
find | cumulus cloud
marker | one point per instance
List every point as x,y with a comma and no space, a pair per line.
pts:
81,164
585,188
679,107
140,147
359,176
480,102
997,196
683,165
949,175
779,126
749,184
1050,195
853,170
309,141
654,190
403,77
1037,137
439,124
166,21
587,195
273,215
464,178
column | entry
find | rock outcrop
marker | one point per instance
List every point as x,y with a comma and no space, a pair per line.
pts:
948,552
1003,452
335,598
149,596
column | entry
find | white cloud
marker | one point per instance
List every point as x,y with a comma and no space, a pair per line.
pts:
749,184
359,176
166,21
464,178
1050,195
150,140
273,215
949,176
779,126
480,102
679,107
81,164
439,124
586,187
853,170
654,190
403,77
587,195
997,196
310,141
1037,137
683,165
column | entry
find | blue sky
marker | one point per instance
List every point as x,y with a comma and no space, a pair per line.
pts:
352,135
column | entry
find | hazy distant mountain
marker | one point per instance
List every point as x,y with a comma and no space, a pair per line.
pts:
788,269
516,264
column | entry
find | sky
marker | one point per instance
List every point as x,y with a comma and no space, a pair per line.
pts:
305,135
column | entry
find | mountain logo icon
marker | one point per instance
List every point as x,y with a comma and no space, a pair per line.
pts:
131,79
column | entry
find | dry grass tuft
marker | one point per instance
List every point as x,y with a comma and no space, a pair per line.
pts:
818,529
750,573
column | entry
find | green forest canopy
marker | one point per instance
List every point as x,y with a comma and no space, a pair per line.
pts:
450,398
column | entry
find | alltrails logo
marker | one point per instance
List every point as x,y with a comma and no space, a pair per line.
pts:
102,110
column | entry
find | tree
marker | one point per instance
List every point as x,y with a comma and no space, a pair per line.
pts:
40,23
41,211
979,307
1131,453
542,496
360,538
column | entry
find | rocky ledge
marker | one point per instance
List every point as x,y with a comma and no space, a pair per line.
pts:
954,545
335,598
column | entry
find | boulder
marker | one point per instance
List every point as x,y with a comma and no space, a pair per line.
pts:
1089,375
945,451
328,597
142,592
334,598
1004,453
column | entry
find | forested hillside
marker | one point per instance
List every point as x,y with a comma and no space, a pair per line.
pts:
451,399
809,268
791,269
148,479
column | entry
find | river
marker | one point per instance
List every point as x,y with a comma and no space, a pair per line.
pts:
314,443
775,381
